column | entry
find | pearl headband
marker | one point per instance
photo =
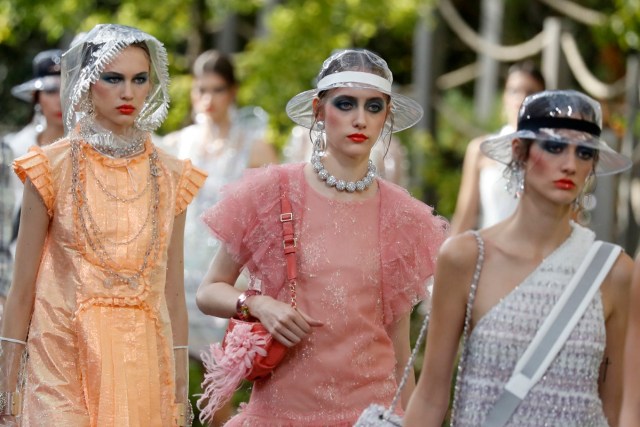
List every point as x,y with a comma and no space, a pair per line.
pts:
329,81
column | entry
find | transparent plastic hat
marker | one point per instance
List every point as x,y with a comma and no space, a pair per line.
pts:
566,116
356,68
87,58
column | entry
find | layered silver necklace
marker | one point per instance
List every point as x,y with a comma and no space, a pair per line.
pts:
114,146
340,184
110,144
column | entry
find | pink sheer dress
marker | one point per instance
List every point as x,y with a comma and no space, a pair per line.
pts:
361,267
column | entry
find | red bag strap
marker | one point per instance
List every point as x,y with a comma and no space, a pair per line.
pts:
289,241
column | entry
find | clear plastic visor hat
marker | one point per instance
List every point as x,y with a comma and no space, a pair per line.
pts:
356,68
565,116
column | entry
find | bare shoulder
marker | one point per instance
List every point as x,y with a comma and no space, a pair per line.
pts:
454,271
262,153
473,148
621,272
459,253
616,286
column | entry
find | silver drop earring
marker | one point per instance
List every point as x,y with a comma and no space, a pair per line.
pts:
320,141
515,180
586,201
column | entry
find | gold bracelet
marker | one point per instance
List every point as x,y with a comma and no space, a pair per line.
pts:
10,403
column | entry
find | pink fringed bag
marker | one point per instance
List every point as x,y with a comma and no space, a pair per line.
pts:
248,351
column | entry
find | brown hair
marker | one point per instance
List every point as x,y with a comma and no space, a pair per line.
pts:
214,62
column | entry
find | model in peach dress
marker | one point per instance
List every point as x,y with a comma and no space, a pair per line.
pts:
108,297
364,257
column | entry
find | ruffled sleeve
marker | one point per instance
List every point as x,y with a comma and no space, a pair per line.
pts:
35,166
191,181
246,219
411,236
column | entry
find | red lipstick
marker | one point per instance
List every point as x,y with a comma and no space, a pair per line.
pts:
357,137
564,184
126,109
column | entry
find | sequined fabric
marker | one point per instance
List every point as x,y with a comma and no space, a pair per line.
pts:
361,266
100,355
567,394
224,161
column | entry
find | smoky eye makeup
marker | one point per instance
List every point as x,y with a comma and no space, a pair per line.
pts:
114,78
346,103
557,147
111,77
554,147
375,105
585,153
141,78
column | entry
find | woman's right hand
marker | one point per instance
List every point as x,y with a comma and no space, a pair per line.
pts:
287,324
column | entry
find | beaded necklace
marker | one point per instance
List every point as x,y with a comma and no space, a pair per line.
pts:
95,237
342,185
110,144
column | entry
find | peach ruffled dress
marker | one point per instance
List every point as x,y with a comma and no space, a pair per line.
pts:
99,355
361,266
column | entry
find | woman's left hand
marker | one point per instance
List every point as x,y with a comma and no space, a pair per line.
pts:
287,324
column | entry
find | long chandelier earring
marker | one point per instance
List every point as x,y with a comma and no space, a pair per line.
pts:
586,201
86,106
320,140
515,180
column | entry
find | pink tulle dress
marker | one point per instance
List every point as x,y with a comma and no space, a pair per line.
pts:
361,266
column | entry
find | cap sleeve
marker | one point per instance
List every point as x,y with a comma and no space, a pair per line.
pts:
35,166
243,218
411,236
191,181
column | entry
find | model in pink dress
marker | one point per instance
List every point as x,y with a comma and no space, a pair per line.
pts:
365,253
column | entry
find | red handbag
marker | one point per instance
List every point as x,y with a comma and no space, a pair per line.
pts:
263,364
248,351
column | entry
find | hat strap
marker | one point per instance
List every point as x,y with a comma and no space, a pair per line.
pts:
537,123
354,77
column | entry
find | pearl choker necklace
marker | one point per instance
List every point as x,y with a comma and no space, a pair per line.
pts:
340,184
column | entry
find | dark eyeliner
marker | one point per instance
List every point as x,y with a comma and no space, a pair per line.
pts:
110,77
344,102
553,147
378,103
141,78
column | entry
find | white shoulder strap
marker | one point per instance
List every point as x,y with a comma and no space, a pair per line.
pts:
555,330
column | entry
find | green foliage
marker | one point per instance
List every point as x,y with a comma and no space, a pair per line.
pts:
625,23
439,160
302,34
179,91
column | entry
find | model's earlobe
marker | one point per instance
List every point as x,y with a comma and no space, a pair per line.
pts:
517,150
318,113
